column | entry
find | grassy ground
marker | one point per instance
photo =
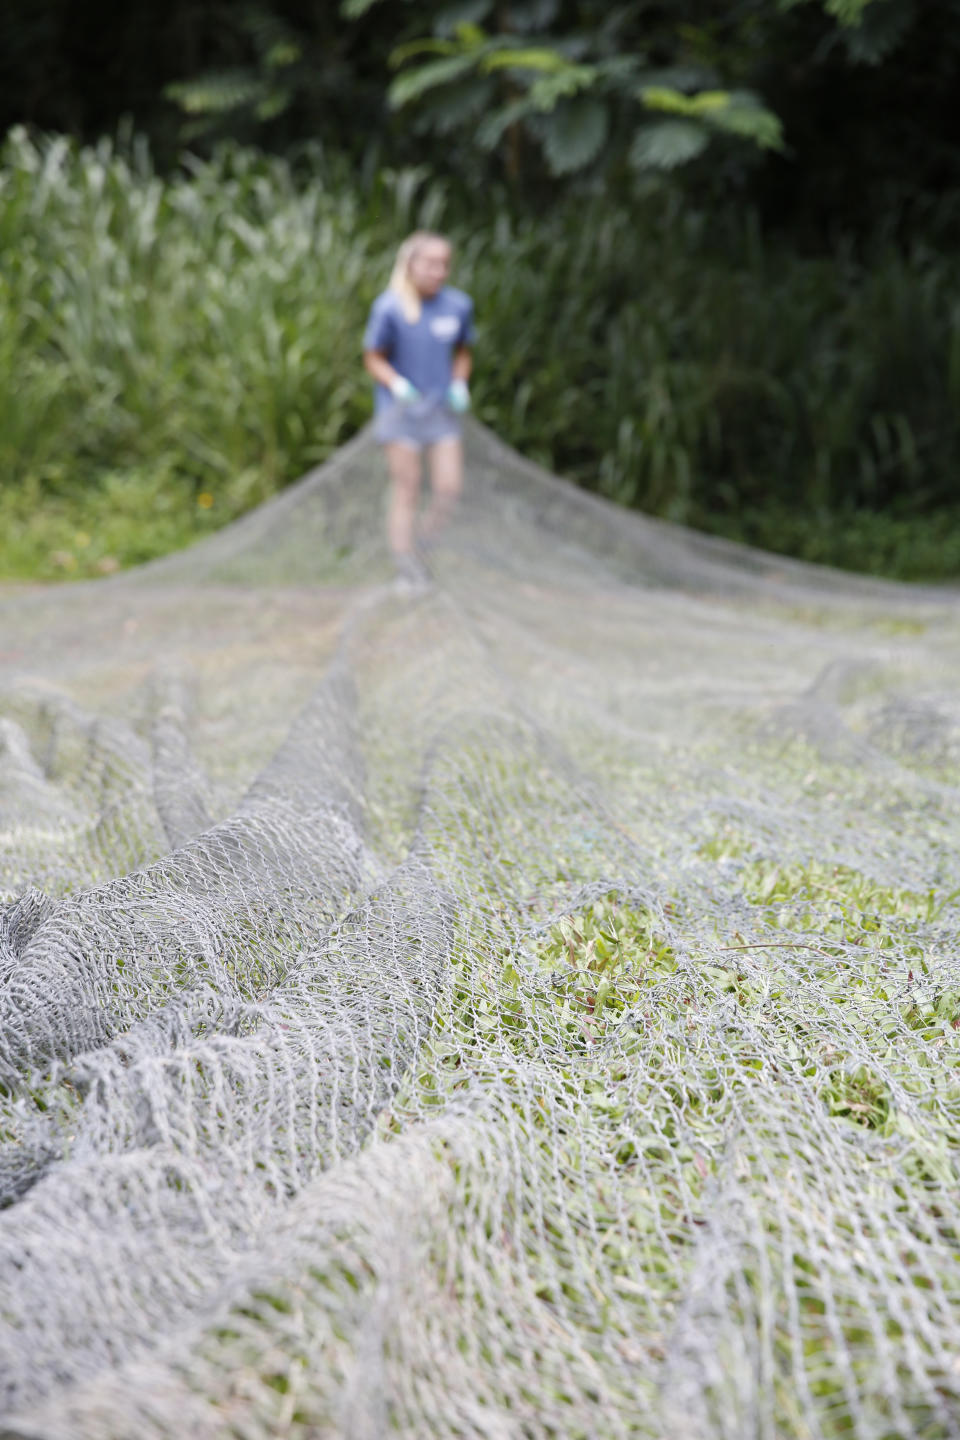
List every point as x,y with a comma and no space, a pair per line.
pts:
123,519
828,1036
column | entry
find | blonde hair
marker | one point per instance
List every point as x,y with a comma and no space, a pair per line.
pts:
400,282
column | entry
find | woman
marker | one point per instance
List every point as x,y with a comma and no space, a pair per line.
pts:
417,349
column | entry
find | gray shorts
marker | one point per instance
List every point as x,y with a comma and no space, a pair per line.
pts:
420,424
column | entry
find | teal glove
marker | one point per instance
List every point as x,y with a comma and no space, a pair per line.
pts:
402,390
458,397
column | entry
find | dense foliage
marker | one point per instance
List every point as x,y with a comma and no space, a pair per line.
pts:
175,349
713,251
861,90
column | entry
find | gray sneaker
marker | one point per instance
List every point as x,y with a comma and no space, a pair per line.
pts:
413,577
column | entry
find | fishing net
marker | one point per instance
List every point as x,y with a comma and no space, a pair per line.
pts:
526,1009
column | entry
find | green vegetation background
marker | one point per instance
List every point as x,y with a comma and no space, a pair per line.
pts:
761,342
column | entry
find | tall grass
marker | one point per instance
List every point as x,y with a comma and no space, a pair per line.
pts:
176,341
675,362
172,349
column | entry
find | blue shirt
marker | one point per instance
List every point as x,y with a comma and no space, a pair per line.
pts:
423,352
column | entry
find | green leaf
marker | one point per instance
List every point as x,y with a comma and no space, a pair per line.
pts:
282,53
273,104
665,144
492,128
744,115
678,79
413,48
466,12
881,30
672,102
414,83
216,94
533,14
458,105
574,133
848,12
737,112
545,92
526,59
471,36
354,9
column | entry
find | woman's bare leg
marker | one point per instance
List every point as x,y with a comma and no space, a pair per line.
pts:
446,484
403,463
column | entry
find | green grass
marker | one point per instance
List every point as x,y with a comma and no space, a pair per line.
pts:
638,1061
122,518
174,350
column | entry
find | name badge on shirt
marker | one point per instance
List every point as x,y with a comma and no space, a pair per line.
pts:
445,327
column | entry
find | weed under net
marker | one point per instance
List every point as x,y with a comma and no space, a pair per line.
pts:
531,1009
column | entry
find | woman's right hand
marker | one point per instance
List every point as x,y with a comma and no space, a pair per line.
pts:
403,391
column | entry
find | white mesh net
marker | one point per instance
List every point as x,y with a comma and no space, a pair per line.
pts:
524,1010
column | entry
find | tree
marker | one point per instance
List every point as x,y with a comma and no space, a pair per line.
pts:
555,87
828,113
607,81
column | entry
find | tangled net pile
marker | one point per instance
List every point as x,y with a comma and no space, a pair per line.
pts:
530,1009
